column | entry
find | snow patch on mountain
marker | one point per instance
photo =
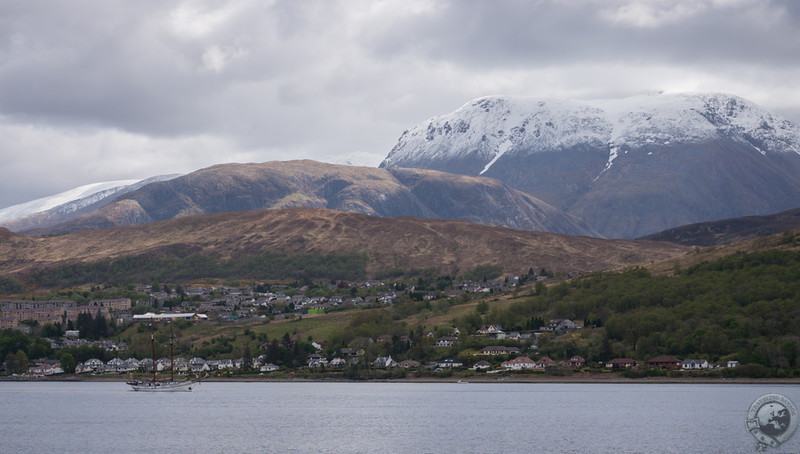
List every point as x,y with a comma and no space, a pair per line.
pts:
613,152
355,158
501,150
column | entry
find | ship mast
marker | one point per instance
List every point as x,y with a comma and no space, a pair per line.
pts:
171,360
153,345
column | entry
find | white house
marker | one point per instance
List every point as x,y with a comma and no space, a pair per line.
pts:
197,364
269,367
450,363
519,363
691,364
384,361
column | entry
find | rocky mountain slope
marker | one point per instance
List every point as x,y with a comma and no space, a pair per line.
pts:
372,191
627,167
449,246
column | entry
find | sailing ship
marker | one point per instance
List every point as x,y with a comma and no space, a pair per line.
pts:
153,385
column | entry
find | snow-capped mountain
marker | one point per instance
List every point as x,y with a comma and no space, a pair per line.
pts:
94,191
628,167
59,207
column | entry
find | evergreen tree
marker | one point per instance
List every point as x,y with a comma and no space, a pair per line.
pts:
68,363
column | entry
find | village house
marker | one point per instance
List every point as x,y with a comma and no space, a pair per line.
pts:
560,326
115,364
92,365
129,365
450,363
357,301
372,283
268,367
486,329
576,361
409,364
664,362
620,363
494,350
151,317
181,365
389,298
163,364
44,369
519,363
317,360
544,362
482,365
446,342
197,364
693,364
384,361
146,365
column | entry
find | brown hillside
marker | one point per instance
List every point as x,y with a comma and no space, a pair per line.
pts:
449,246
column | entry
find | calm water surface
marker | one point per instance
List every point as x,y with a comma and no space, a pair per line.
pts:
383,418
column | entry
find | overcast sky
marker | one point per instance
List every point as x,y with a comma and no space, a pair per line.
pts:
105,90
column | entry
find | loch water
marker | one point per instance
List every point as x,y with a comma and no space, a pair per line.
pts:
322,417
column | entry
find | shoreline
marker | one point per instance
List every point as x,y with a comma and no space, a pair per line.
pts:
470,380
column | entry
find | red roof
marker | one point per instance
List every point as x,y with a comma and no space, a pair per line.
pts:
622,361
520,359
664,359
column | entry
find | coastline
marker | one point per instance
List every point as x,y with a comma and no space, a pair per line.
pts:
582,379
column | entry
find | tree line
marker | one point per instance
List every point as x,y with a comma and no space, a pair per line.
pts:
175,267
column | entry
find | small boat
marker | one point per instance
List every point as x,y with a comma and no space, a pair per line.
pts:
164,386
154,385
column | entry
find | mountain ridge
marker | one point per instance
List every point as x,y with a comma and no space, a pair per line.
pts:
727,231
449,246
372,191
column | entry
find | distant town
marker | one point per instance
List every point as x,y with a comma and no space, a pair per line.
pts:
491,348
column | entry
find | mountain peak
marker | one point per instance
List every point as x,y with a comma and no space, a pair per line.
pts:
646,147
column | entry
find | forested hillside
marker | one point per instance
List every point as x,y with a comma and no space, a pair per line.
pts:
744,307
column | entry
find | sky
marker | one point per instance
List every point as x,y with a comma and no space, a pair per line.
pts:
94,91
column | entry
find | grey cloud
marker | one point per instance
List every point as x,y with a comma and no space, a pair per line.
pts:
316,78
478,34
